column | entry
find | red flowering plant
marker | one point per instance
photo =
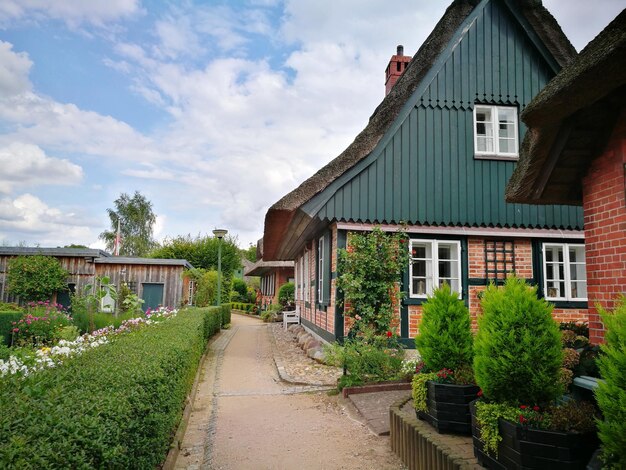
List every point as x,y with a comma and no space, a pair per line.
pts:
532,417
40,325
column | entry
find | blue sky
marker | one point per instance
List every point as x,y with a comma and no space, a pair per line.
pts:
212,110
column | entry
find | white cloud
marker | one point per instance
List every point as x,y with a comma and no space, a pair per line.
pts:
29,219
73,12
14,69
67,128
27,164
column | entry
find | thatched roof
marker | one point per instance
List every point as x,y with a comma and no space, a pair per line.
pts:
280,216
569,121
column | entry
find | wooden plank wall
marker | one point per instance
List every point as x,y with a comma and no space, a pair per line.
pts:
169,276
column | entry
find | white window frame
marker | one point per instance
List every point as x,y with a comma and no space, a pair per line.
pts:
307,277
495,138
567,279
433,282
320,270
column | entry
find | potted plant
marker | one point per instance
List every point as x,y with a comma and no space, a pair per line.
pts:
443,391
518,359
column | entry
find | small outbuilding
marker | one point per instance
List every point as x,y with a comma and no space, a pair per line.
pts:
156,281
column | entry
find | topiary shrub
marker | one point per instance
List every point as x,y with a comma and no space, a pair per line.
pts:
286,295
611,393
517,350
445,339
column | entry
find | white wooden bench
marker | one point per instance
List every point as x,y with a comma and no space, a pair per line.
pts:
291,316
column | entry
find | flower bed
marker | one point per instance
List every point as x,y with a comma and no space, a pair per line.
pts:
26,361
113,406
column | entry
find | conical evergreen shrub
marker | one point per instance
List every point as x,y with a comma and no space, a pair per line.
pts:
517,350
445,338
611,393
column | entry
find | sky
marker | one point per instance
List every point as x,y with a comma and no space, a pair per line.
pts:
213,110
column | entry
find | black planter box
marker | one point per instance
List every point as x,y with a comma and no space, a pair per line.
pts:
529,449
448,407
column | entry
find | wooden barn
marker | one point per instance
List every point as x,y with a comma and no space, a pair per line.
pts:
156,281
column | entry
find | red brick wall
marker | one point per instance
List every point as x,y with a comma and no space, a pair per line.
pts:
604,207
324,320
476,268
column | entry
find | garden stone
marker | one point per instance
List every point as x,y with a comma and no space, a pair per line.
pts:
319,356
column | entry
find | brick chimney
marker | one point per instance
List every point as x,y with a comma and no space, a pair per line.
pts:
397,65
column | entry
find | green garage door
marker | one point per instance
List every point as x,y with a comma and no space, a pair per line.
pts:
152,295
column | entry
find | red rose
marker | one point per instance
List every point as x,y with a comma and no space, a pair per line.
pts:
536,408
389,334
522,420
523,407
480,393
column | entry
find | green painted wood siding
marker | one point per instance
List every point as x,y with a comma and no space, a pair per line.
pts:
427,173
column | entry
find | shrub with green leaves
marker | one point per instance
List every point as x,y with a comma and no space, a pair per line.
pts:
286,295
368,358
517,349
115,406
6,325
611,393
445,338
35,277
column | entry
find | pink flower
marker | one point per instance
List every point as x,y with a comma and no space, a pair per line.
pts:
16,330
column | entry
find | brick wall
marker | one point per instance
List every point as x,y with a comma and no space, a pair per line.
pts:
604,207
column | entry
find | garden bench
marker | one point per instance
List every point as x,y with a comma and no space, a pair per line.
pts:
291,316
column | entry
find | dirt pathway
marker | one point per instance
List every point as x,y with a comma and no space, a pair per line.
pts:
258,422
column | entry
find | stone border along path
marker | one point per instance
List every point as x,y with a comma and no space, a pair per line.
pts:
246,416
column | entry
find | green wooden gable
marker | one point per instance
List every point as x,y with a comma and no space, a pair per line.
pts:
423,170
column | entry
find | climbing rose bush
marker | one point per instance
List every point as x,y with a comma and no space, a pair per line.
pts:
370,270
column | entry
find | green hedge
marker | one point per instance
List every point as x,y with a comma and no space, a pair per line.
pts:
116,406
242,306
226,314
6,325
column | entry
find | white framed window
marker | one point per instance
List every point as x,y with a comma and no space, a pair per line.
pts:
565,273
320,270
495,131
434,262
307,277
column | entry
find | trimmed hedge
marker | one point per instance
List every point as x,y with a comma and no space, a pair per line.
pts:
116,406
6,325
225,314
249,308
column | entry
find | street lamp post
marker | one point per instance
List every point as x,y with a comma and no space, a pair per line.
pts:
219,233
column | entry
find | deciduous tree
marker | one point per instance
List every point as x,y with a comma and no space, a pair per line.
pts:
136,222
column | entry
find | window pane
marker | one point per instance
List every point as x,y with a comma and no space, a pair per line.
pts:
507,115
419,268
419,286
418,251
579,290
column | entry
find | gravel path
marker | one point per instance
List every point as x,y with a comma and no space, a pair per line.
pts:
255,421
